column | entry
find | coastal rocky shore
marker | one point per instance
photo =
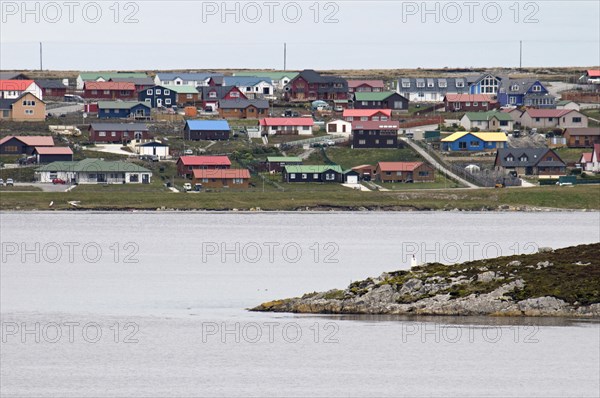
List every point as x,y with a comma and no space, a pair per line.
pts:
563,282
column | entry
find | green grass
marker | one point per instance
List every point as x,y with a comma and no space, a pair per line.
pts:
571,155
574,197
19,174
441,182
348,157
20,188
592,113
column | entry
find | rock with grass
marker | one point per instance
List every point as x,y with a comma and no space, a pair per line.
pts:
562,282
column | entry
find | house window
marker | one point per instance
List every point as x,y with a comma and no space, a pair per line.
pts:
149,92
167,101
158,91
94,92
316,176
234,94
167,92
421,95
330,176
474,143
113,134
420,84
467,104
11,148
512,100
406,84
189,96
361,142
124,92
364,103
510,158
212,94
134,178
304,176
397,105
292,176
102,134
475,104
536,88
460,83
305,127
29,111
462,145
523,158
549,159
514,87
550,119
238,181
576,120
28,103
106,92
537,119
364,118
423,173
390,142
442,83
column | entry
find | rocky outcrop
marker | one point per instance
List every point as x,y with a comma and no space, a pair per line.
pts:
550,283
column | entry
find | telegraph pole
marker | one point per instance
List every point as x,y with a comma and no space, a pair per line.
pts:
520,54
41,58
284,56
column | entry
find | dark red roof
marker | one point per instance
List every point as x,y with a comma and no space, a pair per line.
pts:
221,173
205,161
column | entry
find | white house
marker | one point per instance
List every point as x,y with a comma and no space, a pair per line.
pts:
590,161
286,125
105,76
339,126
278,79
13,89
153,148
251,87
184,79
94,171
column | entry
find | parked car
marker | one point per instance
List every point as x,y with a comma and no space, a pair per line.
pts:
1,182
27,160
188,152
187,187
10,182
58,181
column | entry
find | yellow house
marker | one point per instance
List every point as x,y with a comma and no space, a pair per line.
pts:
25,108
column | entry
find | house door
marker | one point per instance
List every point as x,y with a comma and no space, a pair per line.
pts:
158,102
154,150
225,182
145,179
101,178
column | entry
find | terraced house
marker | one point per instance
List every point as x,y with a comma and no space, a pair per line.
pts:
431,89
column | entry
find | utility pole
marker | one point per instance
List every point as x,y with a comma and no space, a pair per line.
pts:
41,55
284,56
520,54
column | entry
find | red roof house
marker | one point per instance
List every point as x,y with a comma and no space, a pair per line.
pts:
187,164
404,172
18,145
364,115
221,178
365,86
469,102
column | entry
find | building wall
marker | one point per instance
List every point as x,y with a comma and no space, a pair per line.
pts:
152,97
374,139
54,158
160,151
339,127
118,136
28,113
326,177
110,95
245,113
217,183
196,135
581,141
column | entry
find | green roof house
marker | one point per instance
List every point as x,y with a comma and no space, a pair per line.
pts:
488,121
94,171
313,173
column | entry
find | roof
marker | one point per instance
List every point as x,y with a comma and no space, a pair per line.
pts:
31,140
11,76
287,121
312,168
153,143
120,104
284,159
212,125
50,84
6,103
543,113
270,75
138,81
182,89
109,75
205,161
483,136
221,173
517,86
243,80
243,103
109,86
398,166
312,76
376,96
533,156
220,90
582,131
365,112
363,166
15,85
53,150
372,83
445,85
469,98
586,157
374,125
593,72
486,116
119,126
195,77
94,165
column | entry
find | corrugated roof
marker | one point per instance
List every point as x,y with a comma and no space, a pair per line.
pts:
485,116
287,121
205,161
243,103
183,89
307,169
109,75
484,136
53,150
120,104
593,72
375,125
221,173
126,86
31,140
119,126
398,166
241,81
94,165
43,83
372,83
284,159
212,125
548,112
365,112
376,96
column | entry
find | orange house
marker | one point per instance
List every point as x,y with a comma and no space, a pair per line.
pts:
25,108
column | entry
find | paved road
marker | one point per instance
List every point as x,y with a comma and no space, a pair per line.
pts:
437,165
59,109
110,148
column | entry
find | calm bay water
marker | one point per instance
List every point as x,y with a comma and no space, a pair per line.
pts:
152,304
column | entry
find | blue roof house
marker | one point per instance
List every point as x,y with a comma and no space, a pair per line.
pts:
206,130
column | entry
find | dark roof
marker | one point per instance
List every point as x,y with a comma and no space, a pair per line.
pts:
583,131
436,85
533,157
50,84
243,103
220,90
314,77
6,103
13,76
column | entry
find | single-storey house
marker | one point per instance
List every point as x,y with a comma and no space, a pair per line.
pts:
365,86
243,108
123,110
404,172
375,134
153,148
109,90
327,173
221,178
286,125
339,127
469,102
25,108
469,141
186,95
590,161
581,137
276,163
366,172
24,145
52,89
196,130
118,132
94,171
364,115
553,118
529,161
487,121
566,104
186,164
49,154
380,100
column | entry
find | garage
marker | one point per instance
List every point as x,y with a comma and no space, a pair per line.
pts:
351,177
